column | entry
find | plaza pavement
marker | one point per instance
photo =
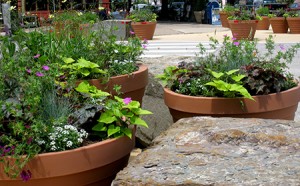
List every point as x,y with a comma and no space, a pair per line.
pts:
177,31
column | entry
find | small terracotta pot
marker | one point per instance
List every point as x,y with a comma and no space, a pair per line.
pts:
263,24
224,20
95,164
132,85
279,24
243,29
282,105
294,24
144,30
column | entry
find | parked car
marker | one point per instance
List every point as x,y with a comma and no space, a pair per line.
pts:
294,7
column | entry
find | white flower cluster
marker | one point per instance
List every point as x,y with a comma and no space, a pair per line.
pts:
65,137
123,62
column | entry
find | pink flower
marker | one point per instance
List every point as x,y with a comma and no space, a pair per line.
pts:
131,32
127,100
225,35
236,43
39,74
233,38
144,46
145,41
45,67
281,46
36,56
28,71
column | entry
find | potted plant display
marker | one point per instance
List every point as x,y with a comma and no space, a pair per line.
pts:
243,24
227,11
72,20
264,23
143,23
237,81
293,21
278,21
55,130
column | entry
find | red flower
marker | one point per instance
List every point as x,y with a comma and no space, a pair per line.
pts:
236,21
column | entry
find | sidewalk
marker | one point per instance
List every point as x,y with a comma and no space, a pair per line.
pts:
176,31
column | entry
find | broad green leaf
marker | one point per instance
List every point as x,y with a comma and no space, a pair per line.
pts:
232,71
139,121
99,127
85,63
107,117
242,90
112,129
141,111
68,60
83,87
238,78
127,132
85,72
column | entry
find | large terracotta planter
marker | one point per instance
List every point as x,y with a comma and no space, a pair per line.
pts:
279,24
132,85
243,29
281,105
224,20
294,24
263,24
92,165
144,30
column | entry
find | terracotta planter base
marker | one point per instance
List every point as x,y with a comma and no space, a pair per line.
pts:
243,29
224,20
279,25
294,24
144,30
95,164
263,24
281,105
132,85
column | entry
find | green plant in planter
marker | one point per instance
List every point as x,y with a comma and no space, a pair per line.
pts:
142,15
263,11
37,102
279,13
259,74
243,15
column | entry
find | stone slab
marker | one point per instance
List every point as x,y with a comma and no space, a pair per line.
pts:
219,151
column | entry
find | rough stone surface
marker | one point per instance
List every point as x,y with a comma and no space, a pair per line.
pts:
219,151
153,100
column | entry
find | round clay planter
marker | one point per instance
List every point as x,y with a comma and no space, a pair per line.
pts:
132,85
144,30
294,24
243,29
224,20
281,105
263,24
279,24
95,164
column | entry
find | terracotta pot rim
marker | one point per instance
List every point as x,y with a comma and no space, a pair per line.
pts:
142,68
219,105
222,98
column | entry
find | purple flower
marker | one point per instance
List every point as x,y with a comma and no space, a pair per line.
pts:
225,35
28,71
36,56
25,175
144,46
39,74
45,67
127,100
233,38
236,43
131,32
281,46
145,41
29,140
